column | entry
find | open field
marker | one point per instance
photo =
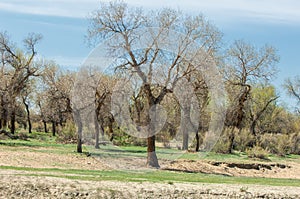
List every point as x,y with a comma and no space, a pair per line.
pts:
42,168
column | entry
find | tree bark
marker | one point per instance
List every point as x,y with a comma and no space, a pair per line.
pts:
152,160
151,156
97,131
185,122
252,127
13,122
231,141
45,126
78,121
185,144
79,139
53,128
197,141
28,116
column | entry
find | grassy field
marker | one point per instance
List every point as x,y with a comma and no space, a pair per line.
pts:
45,144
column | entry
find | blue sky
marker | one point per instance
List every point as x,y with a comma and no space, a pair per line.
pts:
63,24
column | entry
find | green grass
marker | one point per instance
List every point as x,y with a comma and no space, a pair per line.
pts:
49,145
149,176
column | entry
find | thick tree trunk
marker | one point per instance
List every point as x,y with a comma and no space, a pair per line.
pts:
252,128
186,123
197,141
45,126
4,123
78,122
151,158
13,122
110,129
97,131
4,113
79,139
185,144
53,128
231,141
28,117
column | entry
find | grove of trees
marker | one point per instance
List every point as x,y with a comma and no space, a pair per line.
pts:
36,94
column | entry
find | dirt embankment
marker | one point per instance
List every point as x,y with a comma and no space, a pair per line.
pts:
265,170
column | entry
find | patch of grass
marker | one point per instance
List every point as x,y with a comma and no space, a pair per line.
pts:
150,176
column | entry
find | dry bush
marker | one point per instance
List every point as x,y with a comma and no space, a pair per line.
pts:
223,143
279,144
269,142
257,152
295,141
284,145
67,134
243,140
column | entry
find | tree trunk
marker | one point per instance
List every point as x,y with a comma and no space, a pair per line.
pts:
78,121
110,129
152,160
231,141
45,126
252,128
151,156
53,128
185,143
28,116
13,122
97,132
186,124
197,141
4,114
79,139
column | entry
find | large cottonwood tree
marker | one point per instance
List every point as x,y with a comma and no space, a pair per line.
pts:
158,70
245,66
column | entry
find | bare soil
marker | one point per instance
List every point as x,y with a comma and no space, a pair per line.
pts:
14,185
265,170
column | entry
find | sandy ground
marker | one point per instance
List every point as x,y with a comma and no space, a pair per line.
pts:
14,184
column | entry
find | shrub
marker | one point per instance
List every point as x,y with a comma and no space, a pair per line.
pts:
244,140
223,143
295,142
279,144
67,134
257,152
269,143
284,145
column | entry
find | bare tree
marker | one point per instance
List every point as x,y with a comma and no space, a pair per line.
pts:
293,88
57,86
16,69
245,66
26,97
103,91
130,25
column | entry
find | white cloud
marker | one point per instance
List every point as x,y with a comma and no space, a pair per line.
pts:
63,8
221,10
